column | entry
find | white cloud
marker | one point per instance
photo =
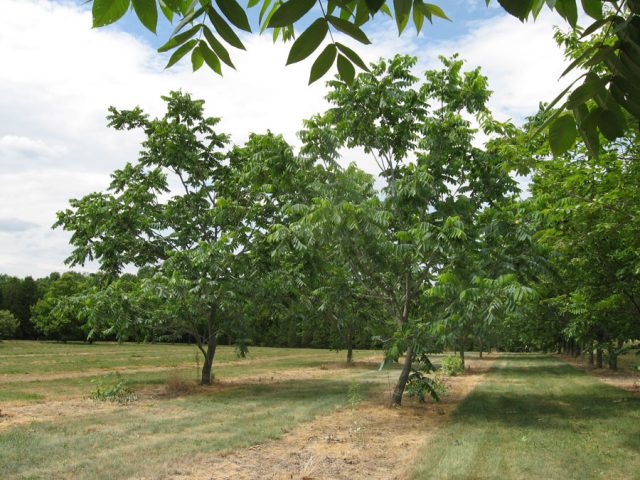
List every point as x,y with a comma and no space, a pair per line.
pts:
59,76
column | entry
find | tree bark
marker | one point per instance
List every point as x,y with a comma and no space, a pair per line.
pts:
396,398
210,352
613,359
350,344
481,347
208,361
599,358
591,356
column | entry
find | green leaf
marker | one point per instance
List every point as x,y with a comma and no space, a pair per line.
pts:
196,58
105,12
181,52
374,5
362,13
308,41
223,29
323,63
611,123
187,19
211,58
353,56
168,13
568,10
252,3
179,39
435,10
147,12
235,13
346,70
402,9
562,134
217,47
349,28
263,10
290,12
588,129
517,8
418,19
588,90
593,8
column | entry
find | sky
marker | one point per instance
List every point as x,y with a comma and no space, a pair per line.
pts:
58,76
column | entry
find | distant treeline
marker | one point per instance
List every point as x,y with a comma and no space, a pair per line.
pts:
38,305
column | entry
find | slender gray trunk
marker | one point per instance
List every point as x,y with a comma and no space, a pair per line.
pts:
210,352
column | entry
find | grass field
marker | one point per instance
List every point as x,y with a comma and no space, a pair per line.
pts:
535,416
530,416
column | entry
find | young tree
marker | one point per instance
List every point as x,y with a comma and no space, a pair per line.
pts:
397,243
192,212
8,324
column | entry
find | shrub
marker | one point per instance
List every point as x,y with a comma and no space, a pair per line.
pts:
114,389
452,365
8,324
420,384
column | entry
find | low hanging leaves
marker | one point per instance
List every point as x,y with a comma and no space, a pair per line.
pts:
323,63
290,12
348,28
308,41
235,13
147,12
346,70
105,12
562,134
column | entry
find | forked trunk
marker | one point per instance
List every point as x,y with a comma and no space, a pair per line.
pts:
208,361
396,398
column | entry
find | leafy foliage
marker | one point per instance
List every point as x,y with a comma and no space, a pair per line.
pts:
113,388
611,64
8,324
452,365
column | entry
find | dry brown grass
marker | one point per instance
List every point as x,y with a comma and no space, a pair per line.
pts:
177,385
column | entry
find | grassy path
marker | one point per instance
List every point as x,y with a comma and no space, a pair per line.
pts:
537,417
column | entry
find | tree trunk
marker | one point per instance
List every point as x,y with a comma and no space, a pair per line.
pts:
462,347
481,347
591,356
210,353
208,361
613,359
577,351
350,344
396,398
599,358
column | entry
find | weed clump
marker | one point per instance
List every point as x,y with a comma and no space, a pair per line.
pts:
114,388
176,385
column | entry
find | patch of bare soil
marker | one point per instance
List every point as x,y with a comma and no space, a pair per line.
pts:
623,378
371,441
